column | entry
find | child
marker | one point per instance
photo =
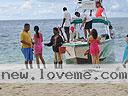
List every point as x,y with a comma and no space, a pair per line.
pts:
125,57
26,45
38,46
56,42
94,46
72,33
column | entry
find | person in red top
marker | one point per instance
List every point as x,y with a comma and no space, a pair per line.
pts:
94,48
38,39
99,10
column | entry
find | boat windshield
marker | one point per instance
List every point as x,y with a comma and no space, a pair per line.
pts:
101,28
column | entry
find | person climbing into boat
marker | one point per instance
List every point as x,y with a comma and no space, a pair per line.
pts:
125,57
87,23
56,42
38,47
26,45
94,49
99,9
66,23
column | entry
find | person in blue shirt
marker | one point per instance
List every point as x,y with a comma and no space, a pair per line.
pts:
125,57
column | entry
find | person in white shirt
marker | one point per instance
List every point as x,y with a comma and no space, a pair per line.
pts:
66,23
77,26
87,23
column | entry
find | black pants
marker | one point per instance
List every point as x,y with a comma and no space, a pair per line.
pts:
66,29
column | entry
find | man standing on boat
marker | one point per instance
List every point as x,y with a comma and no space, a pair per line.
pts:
66,22
87,23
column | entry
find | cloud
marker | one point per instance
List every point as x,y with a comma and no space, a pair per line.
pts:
52,9
27,4
115,6
55,1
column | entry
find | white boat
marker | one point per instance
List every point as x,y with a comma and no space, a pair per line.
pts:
75,50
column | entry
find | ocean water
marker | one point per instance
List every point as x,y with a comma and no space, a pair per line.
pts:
10,51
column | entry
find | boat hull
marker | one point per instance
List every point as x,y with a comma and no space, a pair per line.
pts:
75,52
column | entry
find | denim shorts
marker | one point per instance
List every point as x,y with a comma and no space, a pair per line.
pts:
28,54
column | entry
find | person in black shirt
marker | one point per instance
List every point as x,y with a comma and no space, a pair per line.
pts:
56,42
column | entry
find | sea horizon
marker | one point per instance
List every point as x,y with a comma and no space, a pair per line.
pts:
52,19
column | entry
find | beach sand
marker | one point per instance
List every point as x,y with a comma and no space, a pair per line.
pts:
53,89
63,90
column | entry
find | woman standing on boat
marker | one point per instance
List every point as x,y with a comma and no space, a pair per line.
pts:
99,9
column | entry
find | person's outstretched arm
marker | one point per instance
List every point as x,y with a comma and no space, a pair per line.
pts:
50,43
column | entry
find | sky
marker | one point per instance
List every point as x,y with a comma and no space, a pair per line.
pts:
52,9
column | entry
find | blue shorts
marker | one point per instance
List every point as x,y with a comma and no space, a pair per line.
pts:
28,54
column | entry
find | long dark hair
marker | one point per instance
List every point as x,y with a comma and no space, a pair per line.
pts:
36,29
94,33
98,2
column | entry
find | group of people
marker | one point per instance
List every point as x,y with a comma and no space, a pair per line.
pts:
72,34
72,30
29,45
